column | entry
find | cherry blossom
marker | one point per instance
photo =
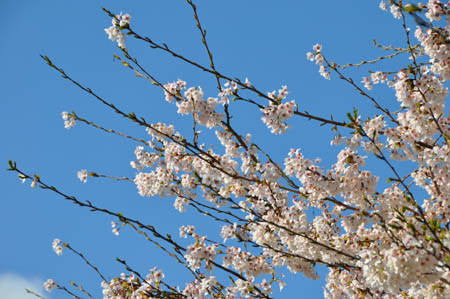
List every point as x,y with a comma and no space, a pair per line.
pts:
57,248
69,120
82,175
115,31
49,285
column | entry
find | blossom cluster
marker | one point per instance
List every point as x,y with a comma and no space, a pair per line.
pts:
437,47
320,60
115,31
375,78
131,286
57,248
69,120
277,113
192,102
49,285
82,175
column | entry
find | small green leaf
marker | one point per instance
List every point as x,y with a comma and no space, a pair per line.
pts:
411,8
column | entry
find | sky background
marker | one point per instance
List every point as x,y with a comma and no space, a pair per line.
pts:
265,41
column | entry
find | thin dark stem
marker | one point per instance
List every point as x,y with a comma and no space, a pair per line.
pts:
86,261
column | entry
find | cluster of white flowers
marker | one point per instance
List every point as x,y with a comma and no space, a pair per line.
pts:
319,59
383,6
200,288
160,131
202,110
144,158
436,45
395,11
154,183
228,232
115,228
115,31
192,102
49,285
57,248
231,147
172,89
186,230
375,78
200,251
276,114
244,261
128,286
374,128
82,175
180,204
230,88
436,9
155,276
69,120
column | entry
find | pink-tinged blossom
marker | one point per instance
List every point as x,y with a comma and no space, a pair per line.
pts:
173,89
82,175
395,11
115,32
233,85
192,101
124,19
144,158
115,228
131,286
153,183
436,9
155,276
275,115
180,204
57,247
186,230
367,83
160,131
200,251
324,70
317,47
375,78
199,289
437,49
228,232
202,110
49,285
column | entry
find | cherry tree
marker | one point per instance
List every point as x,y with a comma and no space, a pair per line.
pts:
379,237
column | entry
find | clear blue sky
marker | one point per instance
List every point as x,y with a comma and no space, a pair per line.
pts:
265,41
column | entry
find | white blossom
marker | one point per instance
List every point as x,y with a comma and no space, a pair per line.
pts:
69,120
57,247
82,175
49,285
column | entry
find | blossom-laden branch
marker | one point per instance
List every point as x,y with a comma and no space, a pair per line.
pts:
87,204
